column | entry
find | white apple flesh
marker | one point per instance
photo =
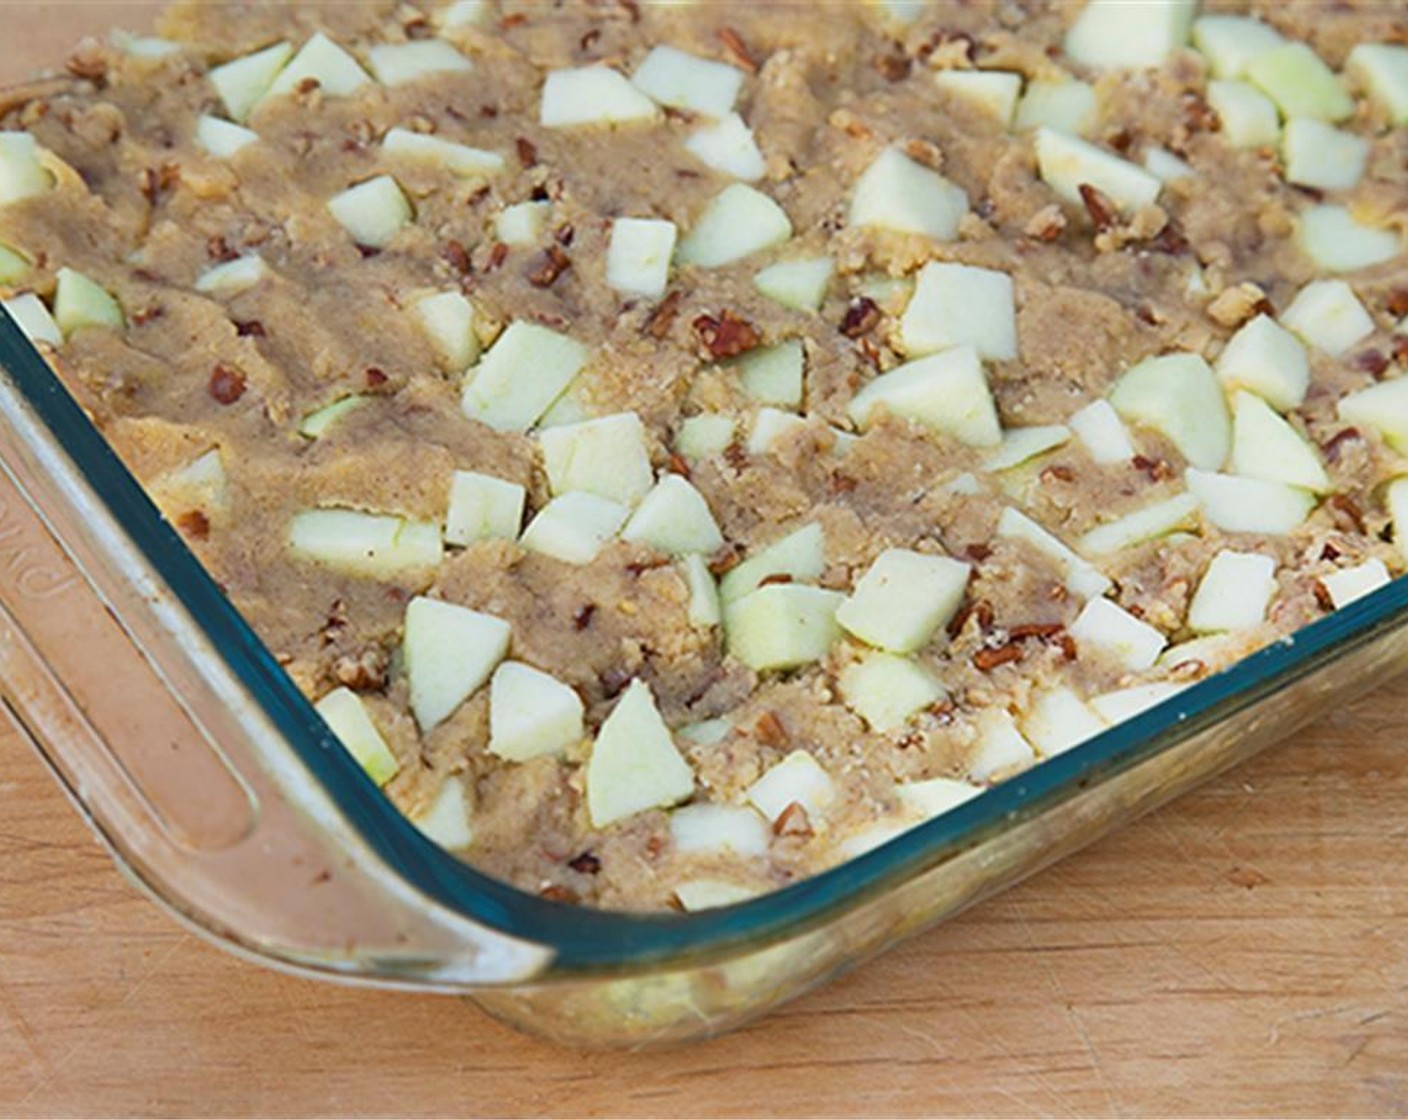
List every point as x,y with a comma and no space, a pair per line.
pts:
593,95
532,714
797,780
1106,626
1329,316
347,718
886,690
947,393
574,527
372,212
903,599
526,369
896,193
1178,395
781,626
1233,593
737,223
634,765
674,518
958,305
606,456
483,507
449,652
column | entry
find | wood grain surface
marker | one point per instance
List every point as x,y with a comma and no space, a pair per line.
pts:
1243,952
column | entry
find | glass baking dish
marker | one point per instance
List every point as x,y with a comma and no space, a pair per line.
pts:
219,790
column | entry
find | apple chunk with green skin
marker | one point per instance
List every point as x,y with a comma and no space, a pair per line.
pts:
885,690
1230,42
903,599
446,819
711,894
346,716
958,305
1178,395
703,437
575,527
1382,69
800,285
592,95
704,607
634,764
683,81
372,212
1233,593
638,257
1321,156
800,556
319,422
1082,578
396,64
371,545
222,139
675,518
1066,163
1297,79
337,73
898,194
1112,34
947,393
14,266
774,374
797,780
1329,316
1249,505
1267,359
1109,627
1249,118
1020,445
531,713
1264,445
1065,105
606,456
739,222
448,321
459,159
1337,242
483,507
1147,524
449,652
1099,427
79,302
1382,407
782,626
526,369
243,82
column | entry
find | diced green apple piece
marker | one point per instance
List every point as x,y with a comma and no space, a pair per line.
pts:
1249,505
1166,166
800,556
523,223
703,437
1100,428
1382,69
704,610
606,456
995,92
1268,360
446,819
1147,524
712,894
1066,163
946,392
395,64
1064,105
771,426
1382,407
532,714
592,95
885,690
448,320
1396,498
1230,42
569,408
1233,593
372,545
143,46
337,73
708,829
957,305
1113,34
201,484
222,138
459,159
80,302
1264,445
1348,584
1249,118
706,732
574,527
932,797
739,222
902,12
638,257
634,764
1106,626
243,82
1178,395
1058,720
903,599
782,626
1329,316
372,212
1126,703
797,780
1001,750
1082,577
675,518
449,653
1211,652
1319,155
347,718
483,507
1297,79
462,13
685,81
527,368
230,278
774,374
1337,242
317,423
800,285
14,266
898,194
1020,445
728,147
33,319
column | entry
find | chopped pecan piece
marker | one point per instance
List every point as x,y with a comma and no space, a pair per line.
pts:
770,730
227,384
194,524
1323,599
551,264
738,49
990,657
725,335
861,317
457,257
588,863
1100,206
663,317
793,821
527,151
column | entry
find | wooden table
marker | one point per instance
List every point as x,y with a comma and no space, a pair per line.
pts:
1244,951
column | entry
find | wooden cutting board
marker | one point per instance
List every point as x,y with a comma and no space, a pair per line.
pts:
1244,951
